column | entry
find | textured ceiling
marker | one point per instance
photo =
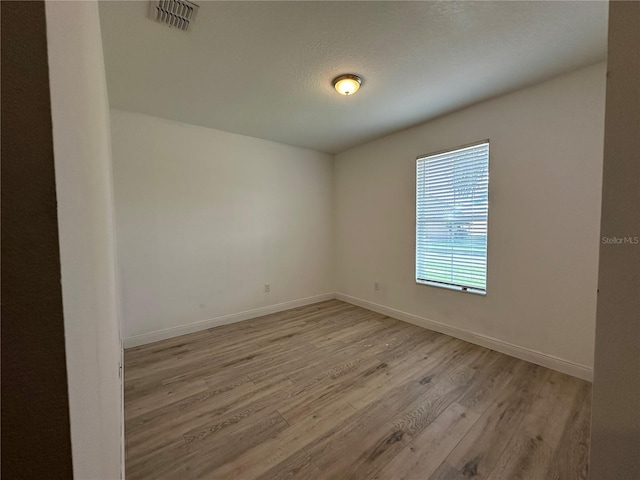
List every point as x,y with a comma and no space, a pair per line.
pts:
264,69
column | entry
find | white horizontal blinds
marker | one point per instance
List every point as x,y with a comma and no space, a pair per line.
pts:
452,199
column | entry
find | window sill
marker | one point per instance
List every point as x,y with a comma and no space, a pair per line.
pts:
452,287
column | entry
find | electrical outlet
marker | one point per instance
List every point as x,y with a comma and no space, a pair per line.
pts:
376,286
267,288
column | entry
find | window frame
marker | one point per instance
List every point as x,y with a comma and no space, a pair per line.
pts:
433,283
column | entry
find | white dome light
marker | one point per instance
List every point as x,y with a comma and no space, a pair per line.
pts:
347,84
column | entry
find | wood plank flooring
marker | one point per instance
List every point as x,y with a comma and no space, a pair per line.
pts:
334,391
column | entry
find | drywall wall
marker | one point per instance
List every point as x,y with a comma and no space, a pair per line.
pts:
615,426
206,218
544,212
81,142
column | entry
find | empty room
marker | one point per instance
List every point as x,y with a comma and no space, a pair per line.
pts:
321,240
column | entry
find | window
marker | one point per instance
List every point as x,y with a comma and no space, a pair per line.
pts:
452,201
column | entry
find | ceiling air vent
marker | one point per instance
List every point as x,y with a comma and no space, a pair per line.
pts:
175,13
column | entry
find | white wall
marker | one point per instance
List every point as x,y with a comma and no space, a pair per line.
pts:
205,218
545,178
80,113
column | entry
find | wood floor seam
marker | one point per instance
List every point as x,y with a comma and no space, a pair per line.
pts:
283,419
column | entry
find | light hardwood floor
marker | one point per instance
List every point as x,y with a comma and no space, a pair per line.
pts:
334,391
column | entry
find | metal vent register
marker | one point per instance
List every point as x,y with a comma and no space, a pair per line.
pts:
175,13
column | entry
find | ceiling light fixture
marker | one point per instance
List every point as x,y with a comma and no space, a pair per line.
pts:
347,84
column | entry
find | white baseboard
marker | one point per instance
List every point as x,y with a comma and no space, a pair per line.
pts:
533,356
151,337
